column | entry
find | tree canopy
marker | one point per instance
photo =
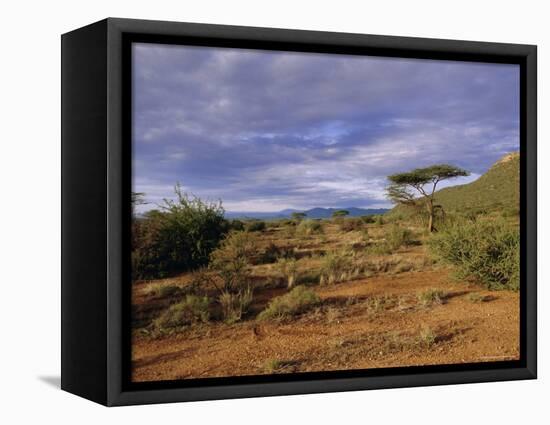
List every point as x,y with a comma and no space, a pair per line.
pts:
404,187
340,213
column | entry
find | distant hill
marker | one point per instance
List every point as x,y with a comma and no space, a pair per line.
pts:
497,189
311,213
353,212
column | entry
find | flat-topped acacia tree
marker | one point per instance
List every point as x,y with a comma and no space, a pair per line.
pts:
424,181
340,213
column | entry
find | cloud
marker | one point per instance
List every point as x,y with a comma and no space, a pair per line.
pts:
265,130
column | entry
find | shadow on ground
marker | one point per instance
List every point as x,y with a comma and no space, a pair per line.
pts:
54,381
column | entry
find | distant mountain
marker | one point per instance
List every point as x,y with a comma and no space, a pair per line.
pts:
311,213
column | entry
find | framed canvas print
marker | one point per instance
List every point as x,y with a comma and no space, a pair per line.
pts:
253,212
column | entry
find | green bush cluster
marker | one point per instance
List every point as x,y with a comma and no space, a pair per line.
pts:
486,250
179,237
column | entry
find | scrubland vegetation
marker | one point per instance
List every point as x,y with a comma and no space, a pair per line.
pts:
415,286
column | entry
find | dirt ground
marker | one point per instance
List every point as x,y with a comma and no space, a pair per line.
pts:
361,324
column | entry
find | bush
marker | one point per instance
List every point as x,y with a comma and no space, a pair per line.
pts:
235,305
178,238
255,226
337,266
397,236
236,225
191,310
487,251
297,301
232,260
288,269
368,219
309,227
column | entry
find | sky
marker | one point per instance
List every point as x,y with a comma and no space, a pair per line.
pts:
265,131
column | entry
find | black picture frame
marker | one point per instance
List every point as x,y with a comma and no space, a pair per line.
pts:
96,178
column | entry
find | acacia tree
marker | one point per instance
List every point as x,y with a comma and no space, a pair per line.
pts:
340,213
298,216
138,198
404,187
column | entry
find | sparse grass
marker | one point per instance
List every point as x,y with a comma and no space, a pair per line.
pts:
273,365
191,310
338,266
381,303
383,265
309,227
476,297
403,267
293,303
288,269
333,314
426,337
309,278
235,305
398,236
350,224
162,290
432,297
255,226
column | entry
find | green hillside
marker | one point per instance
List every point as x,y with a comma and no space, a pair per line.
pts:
497,189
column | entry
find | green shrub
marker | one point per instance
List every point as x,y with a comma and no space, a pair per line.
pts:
297,301
231,261
235,305
178,238
485,250
337,266
191,310
309,227
398,236
255,226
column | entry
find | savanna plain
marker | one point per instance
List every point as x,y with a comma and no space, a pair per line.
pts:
215,297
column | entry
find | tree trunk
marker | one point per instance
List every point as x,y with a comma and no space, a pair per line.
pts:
430,205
